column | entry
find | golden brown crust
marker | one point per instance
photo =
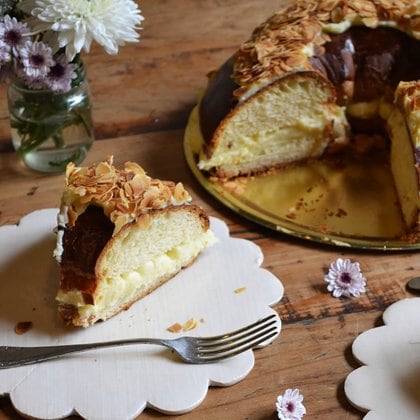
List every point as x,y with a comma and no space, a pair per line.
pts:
67,312
280,44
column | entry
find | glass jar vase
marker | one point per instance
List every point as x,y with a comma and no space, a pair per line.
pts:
50,129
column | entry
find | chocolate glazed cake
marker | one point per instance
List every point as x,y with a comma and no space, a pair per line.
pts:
121,234
310,79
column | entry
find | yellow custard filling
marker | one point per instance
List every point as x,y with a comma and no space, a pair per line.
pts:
129,285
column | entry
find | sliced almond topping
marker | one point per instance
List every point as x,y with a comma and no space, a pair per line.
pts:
123,194
175,328
279,44
190,325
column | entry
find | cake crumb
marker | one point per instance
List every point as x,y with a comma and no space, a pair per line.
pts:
341,213
187,326
324,229
240,290
236,186
175,328
190,325
23,327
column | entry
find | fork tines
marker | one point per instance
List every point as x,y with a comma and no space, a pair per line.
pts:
231,344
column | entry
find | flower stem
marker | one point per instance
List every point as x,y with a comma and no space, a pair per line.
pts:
58,138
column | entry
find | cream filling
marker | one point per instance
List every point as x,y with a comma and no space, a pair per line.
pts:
366,110
304,139
285,143
115,292
341,27
337,28
62,220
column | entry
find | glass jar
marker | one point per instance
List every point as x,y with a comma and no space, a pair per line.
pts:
50,129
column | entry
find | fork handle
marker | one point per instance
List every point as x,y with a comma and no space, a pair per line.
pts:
18,356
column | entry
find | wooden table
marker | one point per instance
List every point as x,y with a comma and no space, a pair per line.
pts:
142,98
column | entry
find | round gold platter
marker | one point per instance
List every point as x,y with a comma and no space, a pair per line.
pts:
350,204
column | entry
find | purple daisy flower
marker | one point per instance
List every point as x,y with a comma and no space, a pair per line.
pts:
36,59
344,278
31,82
61,74
289,405
12,33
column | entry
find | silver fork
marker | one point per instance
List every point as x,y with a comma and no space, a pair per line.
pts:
196,350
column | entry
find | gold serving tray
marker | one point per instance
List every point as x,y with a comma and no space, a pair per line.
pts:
351,204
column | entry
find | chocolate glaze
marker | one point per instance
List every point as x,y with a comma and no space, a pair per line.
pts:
82,245
218,100
376,60
362,63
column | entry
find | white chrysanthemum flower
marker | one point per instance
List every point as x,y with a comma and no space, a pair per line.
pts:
36,58
76,23
289,405
344,278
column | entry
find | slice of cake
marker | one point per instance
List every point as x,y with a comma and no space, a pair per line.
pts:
121,234
293,119
403,126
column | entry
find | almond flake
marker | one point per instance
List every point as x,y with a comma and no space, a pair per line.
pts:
278,45
175,328
123,194
190,325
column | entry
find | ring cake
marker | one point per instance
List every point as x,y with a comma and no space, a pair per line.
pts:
312,78
121,234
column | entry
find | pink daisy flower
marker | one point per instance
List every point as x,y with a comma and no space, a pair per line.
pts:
289,405
61,75
12,33
344,278
36,59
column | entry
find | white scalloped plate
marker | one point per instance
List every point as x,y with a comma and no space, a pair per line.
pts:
119,383
388,385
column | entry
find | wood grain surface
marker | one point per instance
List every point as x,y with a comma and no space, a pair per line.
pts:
142,98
